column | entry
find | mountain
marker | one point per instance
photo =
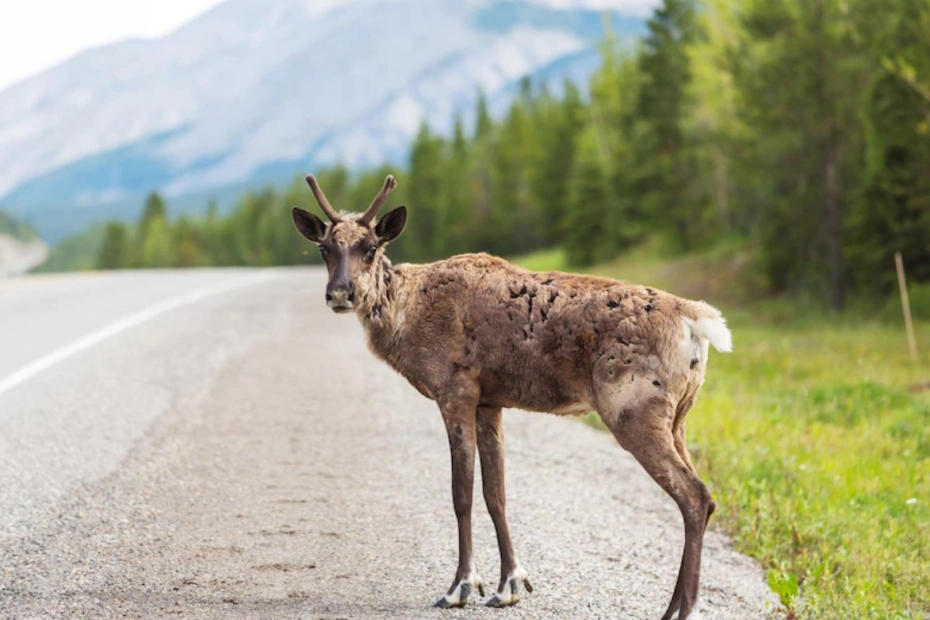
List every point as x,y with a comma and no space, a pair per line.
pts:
253,91
16,229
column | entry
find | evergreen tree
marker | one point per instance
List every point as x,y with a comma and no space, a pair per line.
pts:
157,249
483,122
893,212
187,243
800,72
587,236
665,169
154,209
212,237
712,125
482,236
612,115
426,193
557,124
514,213
115,250
458,212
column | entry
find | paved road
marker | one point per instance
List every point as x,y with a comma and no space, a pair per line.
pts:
237,453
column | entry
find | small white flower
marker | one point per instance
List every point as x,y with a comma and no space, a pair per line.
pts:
911,501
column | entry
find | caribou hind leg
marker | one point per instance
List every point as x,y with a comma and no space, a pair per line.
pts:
491,450
681,445
648,435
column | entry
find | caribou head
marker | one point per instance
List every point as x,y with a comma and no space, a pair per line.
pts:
352,244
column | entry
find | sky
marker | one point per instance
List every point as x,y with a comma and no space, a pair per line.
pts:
38,34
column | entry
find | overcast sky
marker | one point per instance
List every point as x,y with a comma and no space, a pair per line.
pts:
37,34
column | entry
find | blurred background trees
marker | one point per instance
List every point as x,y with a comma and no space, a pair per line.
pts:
799,129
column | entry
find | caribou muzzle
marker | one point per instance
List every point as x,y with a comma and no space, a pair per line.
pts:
342,300
340,291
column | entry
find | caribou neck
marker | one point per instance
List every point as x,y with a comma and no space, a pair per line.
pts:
380,310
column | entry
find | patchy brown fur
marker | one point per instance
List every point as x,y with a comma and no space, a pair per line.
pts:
536,341
477,334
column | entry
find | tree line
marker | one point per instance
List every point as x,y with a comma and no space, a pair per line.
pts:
800,128
16,228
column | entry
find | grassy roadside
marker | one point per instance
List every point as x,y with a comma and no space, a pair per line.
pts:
815,438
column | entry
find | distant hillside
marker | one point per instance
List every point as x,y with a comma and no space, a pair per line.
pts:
15,228
20,247
252,92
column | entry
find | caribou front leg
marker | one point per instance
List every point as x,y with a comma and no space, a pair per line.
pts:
491,450
459,417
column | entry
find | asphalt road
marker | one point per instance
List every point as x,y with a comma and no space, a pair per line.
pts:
218,444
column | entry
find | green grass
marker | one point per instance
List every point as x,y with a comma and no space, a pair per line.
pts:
814,436
814,446
544,260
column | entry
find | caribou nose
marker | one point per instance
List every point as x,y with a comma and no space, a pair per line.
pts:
341,298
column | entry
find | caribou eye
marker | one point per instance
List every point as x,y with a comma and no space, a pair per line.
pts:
324,252
370,254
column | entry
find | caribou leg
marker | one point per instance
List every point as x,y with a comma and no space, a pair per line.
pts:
491,451
648,437
459,417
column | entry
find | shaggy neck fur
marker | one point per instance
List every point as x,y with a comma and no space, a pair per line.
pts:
379,309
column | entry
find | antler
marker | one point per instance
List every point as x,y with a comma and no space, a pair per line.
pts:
321,199
389,185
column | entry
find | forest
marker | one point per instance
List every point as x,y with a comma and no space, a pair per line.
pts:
798,130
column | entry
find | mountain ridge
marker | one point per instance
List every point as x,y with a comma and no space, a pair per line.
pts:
222,101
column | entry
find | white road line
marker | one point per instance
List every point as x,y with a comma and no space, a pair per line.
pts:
44,363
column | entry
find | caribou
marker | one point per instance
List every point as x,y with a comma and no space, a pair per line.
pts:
477,334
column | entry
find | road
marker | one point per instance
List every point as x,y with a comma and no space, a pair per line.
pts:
218,444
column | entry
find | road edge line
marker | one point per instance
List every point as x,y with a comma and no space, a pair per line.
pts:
82,344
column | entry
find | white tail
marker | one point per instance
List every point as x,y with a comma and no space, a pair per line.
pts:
711,326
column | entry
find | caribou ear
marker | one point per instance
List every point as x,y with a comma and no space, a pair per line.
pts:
391,225
309,225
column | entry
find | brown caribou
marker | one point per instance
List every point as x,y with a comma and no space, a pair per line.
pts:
476,334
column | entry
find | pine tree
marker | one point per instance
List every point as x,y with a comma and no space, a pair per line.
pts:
665,168
483,122
712,124
514,212
153,210
155,248
587,236
557,124
187,243
458,212
211,236
115,251
612,116
800,73
426,193
893,212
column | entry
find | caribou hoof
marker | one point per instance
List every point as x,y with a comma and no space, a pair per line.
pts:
509,591
460,591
